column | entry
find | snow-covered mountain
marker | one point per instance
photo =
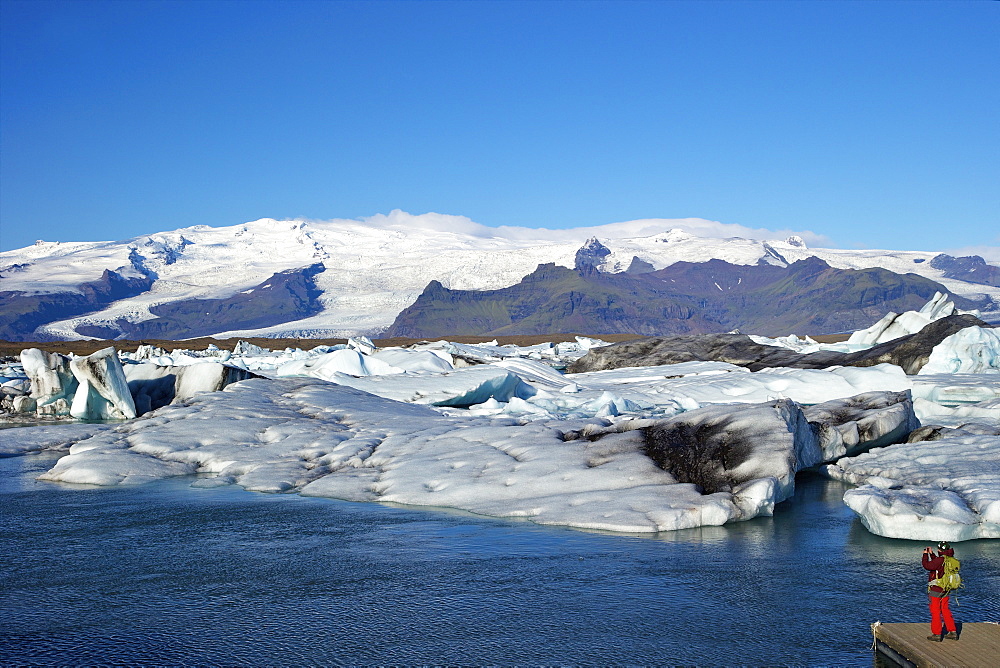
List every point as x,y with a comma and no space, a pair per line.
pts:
345,277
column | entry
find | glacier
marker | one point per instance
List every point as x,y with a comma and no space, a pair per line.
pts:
377,266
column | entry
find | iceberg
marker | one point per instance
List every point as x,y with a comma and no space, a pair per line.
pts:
340,362
415,361
945,489
895,325
703,383
52,382
931,413
459,388
362,344
875,419
153,386
322,439
721,449
956,388
102,392
434,425
969,350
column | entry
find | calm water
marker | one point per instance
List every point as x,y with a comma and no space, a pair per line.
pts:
169,574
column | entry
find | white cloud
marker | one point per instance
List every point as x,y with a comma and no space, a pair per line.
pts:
621,230
989,253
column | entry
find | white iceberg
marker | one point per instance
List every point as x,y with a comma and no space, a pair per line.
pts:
947,489
931,413
415,361
52,382
362,344
895,325
102,393
459,388
322,439
328,366
704,383
969,350
950,389
304,435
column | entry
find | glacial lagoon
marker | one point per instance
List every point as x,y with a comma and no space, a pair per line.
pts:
165,573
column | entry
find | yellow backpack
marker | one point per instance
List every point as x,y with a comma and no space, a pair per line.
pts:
950,580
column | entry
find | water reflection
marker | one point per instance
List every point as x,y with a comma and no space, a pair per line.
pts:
165,573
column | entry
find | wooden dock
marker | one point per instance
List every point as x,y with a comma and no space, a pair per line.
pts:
978,645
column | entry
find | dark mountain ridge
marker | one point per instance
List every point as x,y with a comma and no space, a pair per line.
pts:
22,312
807,296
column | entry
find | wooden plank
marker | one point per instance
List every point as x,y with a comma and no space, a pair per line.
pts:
978,645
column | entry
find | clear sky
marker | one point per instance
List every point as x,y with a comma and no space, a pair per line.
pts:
872,124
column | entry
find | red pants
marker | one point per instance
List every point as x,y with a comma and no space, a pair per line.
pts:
939,609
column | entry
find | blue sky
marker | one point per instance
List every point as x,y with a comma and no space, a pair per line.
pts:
870,124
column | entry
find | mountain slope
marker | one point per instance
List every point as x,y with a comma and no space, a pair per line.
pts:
374,268
287,295
808,296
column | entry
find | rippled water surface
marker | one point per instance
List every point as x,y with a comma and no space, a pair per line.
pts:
170,574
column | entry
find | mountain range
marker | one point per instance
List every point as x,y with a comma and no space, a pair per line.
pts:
685,298
435,275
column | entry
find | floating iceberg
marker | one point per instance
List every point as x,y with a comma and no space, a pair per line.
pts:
946,489
930,413
328,366
496,438
870,420
415,361
322,439
953,389
459,388
703,383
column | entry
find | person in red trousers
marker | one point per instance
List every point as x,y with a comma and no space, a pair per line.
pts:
936,596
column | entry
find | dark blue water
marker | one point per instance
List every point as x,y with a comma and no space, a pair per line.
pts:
169,574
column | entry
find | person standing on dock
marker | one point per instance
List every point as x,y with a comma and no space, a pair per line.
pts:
938,595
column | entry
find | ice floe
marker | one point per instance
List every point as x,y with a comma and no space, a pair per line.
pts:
322,439
945,489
